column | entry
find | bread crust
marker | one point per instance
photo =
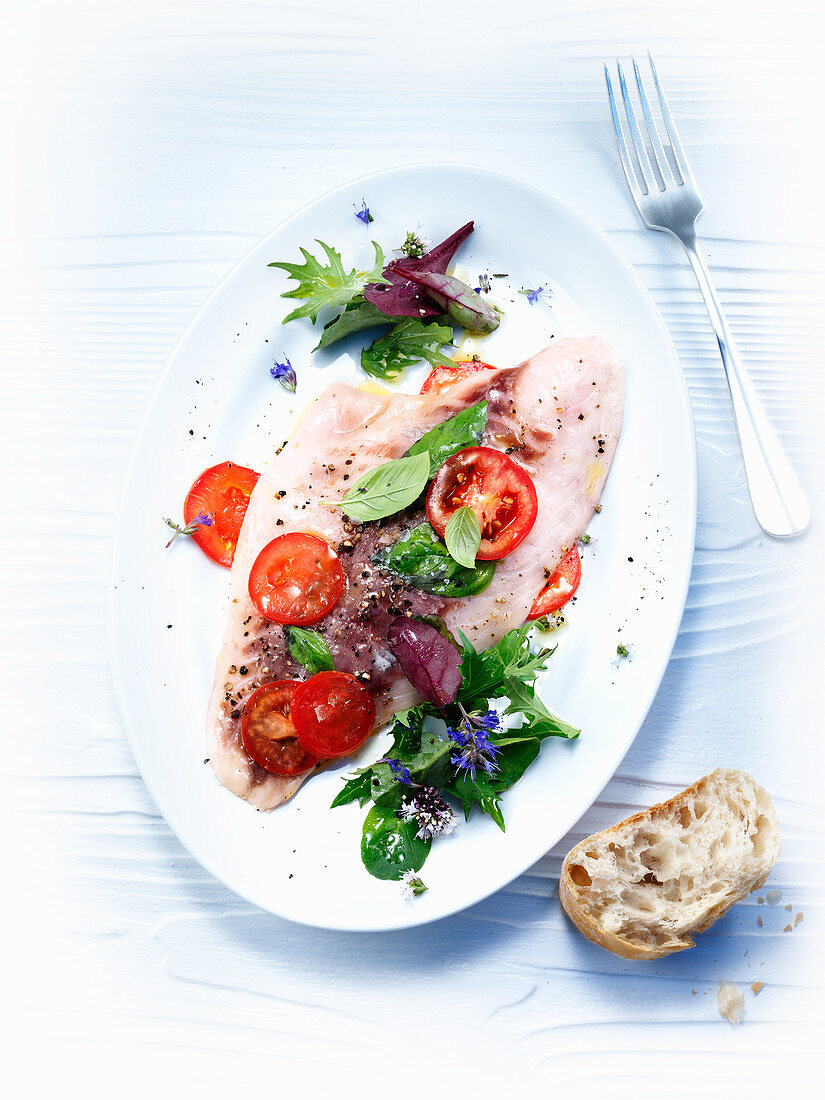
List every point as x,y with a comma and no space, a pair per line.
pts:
572,895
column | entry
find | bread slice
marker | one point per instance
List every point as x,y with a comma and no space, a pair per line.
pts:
644,887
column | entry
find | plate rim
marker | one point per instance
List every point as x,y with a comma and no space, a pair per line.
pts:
118,533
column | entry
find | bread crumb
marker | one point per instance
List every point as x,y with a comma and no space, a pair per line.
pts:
789,907
773,896
757,988
798,919
759,921
760,900
788,928
731,1002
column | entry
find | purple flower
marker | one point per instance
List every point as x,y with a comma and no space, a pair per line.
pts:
534,296
475,749
363,215
401,773
488,721
431,813
202,519
285,374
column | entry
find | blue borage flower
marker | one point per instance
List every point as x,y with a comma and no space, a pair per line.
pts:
285,374
474,749
429,810
534,296
411,886
401,773
363,215
202,519
488,721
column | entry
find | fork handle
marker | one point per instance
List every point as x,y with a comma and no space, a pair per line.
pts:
776,494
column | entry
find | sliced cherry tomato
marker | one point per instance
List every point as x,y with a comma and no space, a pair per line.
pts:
498,490
296,579
333,714
223,492
561,586
441,378
268,732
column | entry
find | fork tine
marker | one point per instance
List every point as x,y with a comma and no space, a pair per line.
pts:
659,159
676,145
624,153
647,173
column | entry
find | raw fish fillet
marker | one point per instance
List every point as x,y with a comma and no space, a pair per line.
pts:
559,415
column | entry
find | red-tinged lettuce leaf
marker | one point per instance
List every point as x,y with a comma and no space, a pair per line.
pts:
401,297
460,301
439,257
428,659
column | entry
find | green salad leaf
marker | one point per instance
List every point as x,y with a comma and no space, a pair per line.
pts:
473,758
387,489
422,560
327,285
490,673
409,341
389,846
465,429
357,789
358,315
514,757
538,719
309,649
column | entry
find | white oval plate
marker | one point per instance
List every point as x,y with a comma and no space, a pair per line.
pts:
217,400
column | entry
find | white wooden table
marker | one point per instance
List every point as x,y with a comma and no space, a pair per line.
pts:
149,146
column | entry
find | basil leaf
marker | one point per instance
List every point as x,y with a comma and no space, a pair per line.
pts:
465,429
357,316
463,536
407,342
389,846
422,560
309,649
387,489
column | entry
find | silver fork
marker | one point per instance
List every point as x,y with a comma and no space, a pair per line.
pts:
668,199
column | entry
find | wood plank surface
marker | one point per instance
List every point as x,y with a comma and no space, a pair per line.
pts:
147,147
